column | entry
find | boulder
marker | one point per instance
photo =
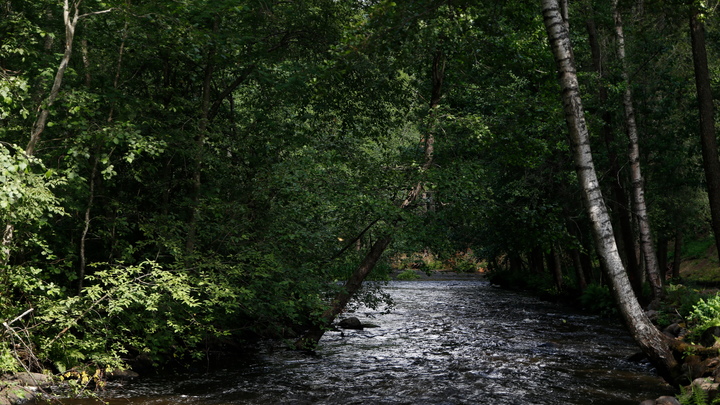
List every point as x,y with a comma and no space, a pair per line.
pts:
31,379
17,395
350,323
119,374
708,385
675,330
708,337
693,367
665,400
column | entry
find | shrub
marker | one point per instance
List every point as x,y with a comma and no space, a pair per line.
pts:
408,274
705,314
598,299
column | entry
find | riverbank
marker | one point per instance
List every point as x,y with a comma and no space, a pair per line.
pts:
435,275
21,388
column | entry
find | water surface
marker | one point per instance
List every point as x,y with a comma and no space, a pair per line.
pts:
445,342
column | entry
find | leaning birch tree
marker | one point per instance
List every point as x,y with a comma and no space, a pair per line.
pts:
653,343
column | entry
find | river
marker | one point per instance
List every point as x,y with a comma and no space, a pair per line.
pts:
444,342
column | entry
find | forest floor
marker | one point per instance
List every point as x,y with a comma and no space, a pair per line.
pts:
703,270
701,264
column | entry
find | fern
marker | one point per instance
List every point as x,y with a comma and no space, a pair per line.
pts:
695,395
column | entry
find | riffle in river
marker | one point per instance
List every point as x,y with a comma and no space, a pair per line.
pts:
444,342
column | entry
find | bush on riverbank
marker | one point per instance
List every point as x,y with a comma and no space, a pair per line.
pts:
162,315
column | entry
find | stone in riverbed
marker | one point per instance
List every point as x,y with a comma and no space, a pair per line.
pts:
119,374
31,379
674,330
667,401
709,336
350,323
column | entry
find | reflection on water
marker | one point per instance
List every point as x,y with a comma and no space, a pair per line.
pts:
445,342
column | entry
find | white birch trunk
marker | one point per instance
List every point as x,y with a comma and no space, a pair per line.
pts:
638,189
653,343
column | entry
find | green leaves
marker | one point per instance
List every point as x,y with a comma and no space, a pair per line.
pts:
26,195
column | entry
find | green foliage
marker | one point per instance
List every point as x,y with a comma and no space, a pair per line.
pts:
407,275
465,262
695,395
26,195
8,362
228,209
705,314
680,300
697,248
165,313
598,299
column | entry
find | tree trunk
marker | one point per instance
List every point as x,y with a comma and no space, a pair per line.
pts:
662,251
640,207
312,337
86,227
578,267
71,16
574,253
200,143
618,204
536,261
676,254
711,164
653,343
556,262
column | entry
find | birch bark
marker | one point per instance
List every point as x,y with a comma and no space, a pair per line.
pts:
639,204
619,202
653,343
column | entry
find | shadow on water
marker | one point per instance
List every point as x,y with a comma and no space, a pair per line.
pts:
445,342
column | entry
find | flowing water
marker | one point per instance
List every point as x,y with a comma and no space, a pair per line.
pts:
445,342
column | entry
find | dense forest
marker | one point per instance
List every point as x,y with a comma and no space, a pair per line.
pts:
186,174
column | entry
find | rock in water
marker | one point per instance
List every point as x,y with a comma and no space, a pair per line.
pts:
350,323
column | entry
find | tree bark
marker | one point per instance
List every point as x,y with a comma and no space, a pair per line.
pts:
86,227
708,143
556,265
639,204
200,142
618,204
653,343
662,252
676,255
310,339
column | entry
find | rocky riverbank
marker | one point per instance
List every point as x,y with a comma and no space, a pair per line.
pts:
23,387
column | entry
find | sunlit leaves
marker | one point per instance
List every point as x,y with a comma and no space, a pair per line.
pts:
26,194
